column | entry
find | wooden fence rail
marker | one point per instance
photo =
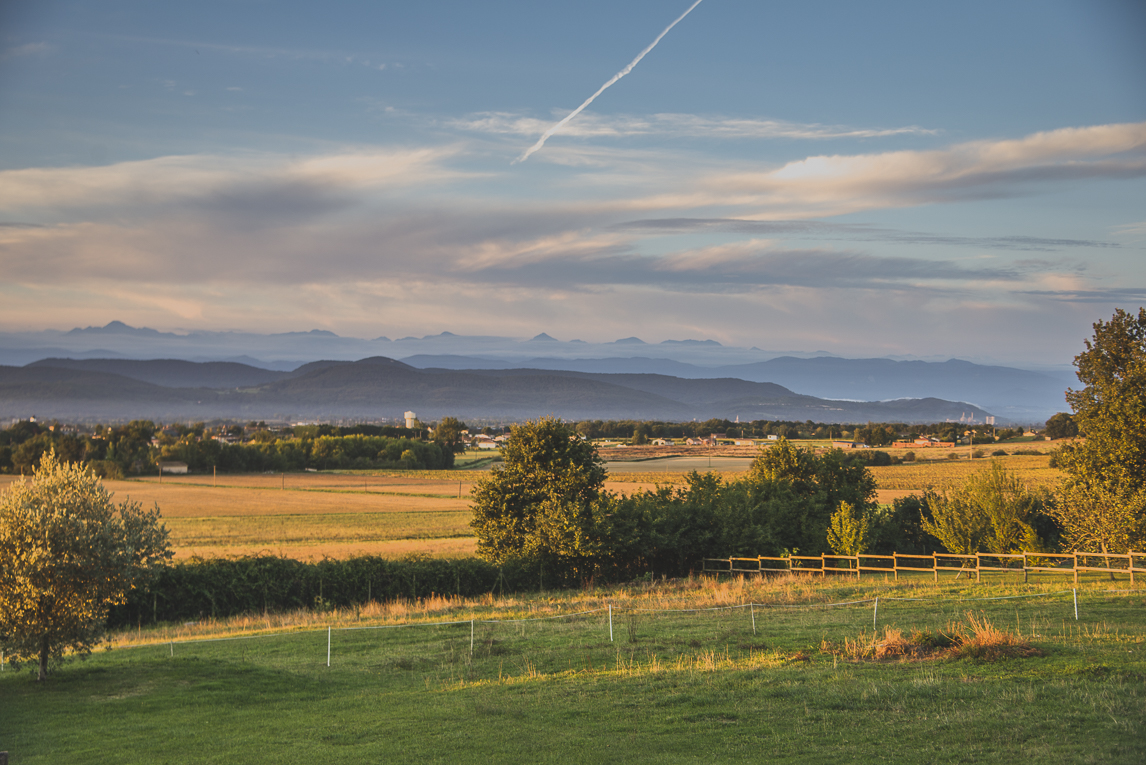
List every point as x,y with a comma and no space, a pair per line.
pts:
893,563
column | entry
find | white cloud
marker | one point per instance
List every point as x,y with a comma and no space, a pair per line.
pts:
840,184
142,185
590,125
1135,232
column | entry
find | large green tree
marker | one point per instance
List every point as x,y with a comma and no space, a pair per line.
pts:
1101,503
536,506
67,554
832,477
802,489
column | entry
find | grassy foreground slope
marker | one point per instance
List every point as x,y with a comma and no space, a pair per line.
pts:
673,686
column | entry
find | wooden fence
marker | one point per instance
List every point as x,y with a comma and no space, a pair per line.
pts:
936,563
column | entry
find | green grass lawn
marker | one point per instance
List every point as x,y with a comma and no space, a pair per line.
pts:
671,686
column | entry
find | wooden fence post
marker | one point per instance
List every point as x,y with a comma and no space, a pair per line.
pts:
1075,558
935,565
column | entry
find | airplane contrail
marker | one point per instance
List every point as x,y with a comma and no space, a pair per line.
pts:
545,136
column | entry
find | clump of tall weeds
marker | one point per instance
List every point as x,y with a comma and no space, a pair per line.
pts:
976,638
979,639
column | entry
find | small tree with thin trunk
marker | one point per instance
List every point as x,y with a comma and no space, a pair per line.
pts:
67,554
847,534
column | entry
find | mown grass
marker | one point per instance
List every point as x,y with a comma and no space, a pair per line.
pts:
671,687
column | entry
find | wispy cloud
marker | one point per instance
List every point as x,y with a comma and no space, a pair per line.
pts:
853,232
841,184
27,49
590,125
1135,232
264,52
742,266
1108,296
143,185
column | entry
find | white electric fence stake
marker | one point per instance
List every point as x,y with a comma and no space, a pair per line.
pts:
1075,605
328,646
875,613
752,606
610,622
471,637
173,649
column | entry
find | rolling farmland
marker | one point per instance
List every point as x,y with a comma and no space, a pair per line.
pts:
309,516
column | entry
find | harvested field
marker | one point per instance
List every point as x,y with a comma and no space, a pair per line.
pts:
448,547
944,475
317,514
395,513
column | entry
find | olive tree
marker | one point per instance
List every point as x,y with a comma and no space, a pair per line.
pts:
67,554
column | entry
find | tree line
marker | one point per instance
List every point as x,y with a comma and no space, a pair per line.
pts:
872,434
137,447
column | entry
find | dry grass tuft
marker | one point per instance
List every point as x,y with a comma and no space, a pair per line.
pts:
980,639
976,639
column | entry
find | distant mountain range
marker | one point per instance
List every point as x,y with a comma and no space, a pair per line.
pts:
382,388
231,360
1017,395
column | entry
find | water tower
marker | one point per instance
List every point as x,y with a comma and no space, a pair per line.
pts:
411,418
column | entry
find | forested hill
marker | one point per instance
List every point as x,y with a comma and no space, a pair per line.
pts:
380,387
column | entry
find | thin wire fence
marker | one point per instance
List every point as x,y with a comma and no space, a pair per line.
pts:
595,637
606,626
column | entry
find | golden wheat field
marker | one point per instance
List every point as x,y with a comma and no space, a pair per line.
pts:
309,516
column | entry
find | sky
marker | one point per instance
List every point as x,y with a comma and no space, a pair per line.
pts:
888,178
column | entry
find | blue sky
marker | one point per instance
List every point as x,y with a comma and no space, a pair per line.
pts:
889,178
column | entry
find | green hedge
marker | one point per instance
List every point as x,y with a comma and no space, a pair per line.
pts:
198,589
